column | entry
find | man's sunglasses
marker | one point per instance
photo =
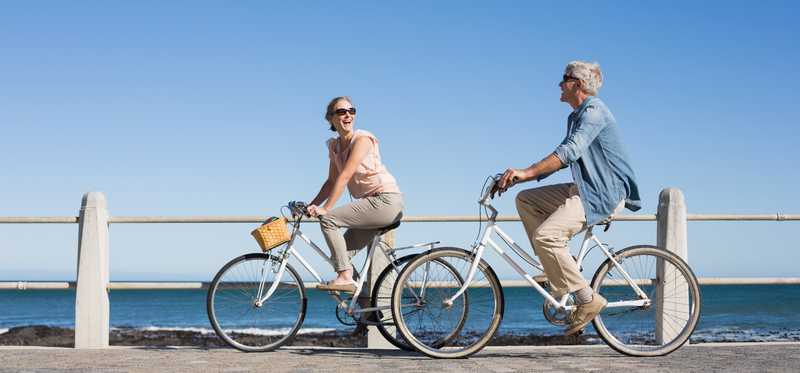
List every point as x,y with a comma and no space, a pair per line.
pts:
567,78
341,112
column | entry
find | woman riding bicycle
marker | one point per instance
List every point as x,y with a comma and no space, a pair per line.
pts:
355,162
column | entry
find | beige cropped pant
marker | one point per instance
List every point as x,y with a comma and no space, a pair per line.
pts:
364,217
552,215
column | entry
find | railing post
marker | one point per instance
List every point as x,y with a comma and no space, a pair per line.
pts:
91,295
671,221
379,262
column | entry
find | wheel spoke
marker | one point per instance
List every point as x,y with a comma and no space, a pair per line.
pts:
442,329
232,304
663,325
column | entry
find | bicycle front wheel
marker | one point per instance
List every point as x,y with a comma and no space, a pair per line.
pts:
667,317
239,312
428,317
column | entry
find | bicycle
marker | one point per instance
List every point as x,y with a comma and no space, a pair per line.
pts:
257,301
653,295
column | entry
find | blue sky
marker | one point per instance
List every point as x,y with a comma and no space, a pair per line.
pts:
194,108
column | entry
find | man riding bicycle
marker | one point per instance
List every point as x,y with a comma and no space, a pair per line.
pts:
604,182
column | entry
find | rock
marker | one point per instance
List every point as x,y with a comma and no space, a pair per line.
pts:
38,335
41,335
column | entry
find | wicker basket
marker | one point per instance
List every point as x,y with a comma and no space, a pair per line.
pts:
271,234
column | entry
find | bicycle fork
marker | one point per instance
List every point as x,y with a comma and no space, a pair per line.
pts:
265,269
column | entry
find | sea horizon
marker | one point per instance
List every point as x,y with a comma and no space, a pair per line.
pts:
729,313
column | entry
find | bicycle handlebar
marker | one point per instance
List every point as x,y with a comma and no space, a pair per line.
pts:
495,188
298,208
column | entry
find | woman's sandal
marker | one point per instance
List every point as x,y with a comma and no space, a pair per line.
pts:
329,286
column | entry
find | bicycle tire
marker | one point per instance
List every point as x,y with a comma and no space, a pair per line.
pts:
383,285
382,296
670,284
231,306
483,324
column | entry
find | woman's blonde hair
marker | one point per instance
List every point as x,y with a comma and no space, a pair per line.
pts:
588,73
329,111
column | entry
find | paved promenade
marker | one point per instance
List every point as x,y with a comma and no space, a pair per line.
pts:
754,357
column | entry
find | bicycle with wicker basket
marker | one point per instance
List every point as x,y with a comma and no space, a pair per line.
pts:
257,301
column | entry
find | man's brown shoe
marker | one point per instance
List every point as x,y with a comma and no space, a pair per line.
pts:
585,313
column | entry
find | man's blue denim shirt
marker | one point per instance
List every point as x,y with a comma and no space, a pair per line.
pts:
599,165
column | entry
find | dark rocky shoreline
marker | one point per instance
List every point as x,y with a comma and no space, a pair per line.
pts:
40,335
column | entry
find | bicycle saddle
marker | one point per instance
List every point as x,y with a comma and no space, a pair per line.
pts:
605,222
390,227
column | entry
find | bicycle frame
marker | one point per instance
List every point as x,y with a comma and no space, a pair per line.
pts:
586,246
290,251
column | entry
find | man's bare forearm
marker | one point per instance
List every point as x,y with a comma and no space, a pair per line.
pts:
546,166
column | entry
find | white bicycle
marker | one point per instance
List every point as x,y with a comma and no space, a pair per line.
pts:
653,295
257,301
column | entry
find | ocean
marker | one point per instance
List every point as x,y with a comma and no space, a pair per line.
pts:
730,313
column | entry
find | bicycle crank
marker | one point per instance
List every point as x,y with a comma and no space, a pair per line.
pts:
556,315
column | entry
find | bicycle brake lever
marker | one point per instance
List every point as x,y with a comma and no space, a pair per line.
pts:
494,190
298,209
496,187
498,190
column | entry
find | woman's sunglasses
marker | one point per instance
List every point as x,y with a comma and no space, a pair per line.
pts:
341,112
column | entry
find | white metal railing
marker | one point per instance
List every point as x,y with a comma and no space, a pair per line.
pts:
166,285
416,219
92,285
410,219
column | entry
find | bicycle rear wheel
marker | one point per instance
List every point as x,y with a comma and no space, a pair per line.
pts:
382,298
234,311
426,319
667,321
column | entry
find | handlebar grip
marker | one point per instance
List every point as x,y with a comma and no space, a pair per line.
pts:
495,184
298,207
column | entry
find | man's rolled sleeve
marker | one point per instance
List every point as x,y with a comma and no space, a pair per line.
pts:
575,144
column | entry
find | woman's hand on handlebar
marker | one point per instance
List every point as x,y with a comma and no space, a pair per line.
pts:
316,211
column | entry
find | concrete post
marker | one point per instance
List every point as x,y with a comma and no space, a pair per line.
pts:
91,295
379,262
671,220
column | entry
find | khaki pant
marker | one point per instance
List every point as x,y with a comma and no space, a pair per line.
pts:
552,215
364,217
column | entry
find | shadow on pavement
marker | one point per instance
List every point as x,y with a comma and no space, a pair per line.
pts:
355,352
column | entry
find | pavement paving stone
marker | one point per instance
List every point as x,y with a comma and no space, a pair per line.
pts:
755,357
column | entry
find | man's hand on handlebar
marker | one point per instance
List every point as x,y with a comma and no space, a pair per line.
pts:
506,180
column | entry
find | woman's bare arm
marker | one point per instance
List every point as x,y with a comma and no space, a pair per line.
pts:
325,191
360,149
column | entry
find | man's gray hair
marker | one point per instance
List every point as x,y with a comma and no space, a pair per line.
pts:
589,74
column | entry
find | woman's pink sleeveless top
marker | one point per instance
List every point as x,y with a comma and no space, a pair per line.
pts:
371,177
